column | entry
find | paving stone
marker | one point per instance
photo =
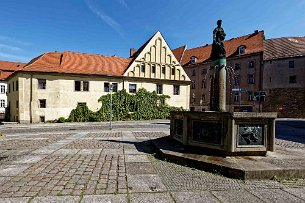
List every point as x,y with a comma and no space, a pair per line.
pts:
119,198
299,192
12,170
66,152
4,180
59,199
151,197
90,151
145,183
133,151
30,159
112,151
238,196
275,195
136,158
14,200
43,151
134,168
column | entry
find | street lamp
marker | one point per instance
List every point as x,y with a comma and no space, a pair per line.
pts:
110,117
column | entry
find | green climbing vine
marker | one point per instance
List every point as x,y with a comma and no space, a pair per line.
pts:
143,105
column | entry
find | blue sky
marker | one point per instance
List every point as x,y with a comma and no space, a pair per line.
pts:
110,27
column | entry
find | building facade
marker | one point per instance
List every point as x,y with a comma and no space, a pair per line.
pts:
284,71
6,69
244,72
52,84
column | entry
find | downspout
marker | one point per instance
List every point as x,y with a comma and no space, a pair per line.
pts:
31,98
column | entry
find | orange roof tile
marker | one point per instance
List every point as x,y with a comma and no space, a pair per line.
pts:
4,74
254,43
11,66
79,63
178,52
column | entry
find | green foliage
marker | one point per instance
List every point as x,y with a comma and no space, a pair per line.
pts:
61,120
143,105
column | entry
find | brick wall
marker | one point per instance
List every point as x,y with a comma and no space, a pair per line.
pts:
288,102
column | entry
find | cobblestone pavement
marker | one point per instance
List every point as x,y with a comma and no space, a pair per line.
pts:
118,166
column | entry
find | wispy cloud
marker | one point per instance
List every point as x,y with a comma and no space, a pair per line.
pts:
9,47
123,3
106,18
13,57
13,40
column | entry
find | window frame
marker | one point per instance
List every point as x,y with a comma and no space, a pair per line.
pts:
291,64
42,82
41,106
251,79
85,87
2,103
2,89
176,89
132,90
159,88
163,69
153,68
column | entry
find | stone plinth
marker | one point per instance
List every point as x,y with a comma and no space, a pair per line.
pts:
238,133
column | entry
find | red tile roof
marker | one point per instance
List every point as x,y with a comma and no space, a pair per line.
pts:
11,66
284,47
254,43
79,63
5,74
178,52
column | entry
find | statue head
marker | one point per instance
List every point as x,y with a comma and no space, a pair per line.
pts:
219,23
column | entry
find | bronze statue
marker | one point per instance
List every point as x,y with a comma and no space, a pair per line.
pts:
218,49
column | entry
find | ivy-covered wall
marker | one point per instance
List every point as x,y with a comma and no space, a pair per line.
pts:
143,105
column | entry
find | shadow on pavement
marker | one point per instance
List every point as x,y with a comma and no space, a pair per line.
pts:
291,130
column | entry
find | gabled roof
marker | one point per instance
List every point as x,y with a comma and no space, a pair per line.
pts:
254,43
78,63
284,47
178,52
11,66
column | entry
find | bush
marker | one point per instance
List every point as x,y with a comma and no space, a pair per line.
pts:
61,120
143,105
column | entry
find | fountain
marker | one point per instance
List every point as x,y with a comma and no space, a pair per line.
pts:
237,133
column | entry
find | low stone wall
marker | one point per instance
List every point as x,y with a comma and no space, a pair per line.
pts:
287,102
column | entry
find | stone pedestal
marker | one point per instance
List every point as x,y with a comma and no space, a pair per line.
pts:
238,133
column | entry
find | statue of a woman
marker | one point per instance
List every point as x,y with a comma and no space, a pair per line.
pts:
218,49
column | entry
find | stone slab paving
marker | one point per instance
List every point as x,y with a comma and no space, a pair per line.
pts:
117,166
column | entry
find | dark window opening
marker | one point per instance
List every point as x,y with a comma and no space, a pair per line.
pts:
251,79
176,90
143,68
153,69
293,79
42,103
159,89
132,88
42,83
77,85
163,69
173,71
291,64
86,86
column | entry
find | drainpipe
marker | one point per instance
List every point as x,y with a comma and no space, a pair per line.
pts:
31,98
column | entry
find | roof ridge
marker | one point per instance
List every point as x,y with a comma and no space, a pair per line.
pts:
91,54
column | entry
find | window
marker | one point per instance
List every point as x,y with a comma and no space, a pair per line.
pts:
173,71
291,64
269,79
193,85
86,86
13,86
42,83
176,90
42,103
106,87
42,119
81,85
81,103
9,88
2,89
293,79
159,89
202,99
153,69
236,97
251,64
236,80
193,59
203,71
17,104
203,84
251,79
251,96
163,70
193,72
143,68
77,85
132,88
17,85
114,87
237,66
2,103
241,50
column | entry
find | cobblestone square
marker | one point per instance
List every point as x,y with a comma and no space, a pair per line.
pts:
99,165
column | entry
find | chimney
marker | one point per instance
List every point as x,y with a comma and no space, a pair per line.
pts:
255,31
132,51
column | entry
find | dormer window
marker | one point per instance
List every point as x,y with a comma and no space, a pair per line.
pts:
193,59
242,50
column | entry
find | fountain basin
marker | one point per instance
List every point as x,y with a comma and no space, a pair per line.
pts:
237,133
